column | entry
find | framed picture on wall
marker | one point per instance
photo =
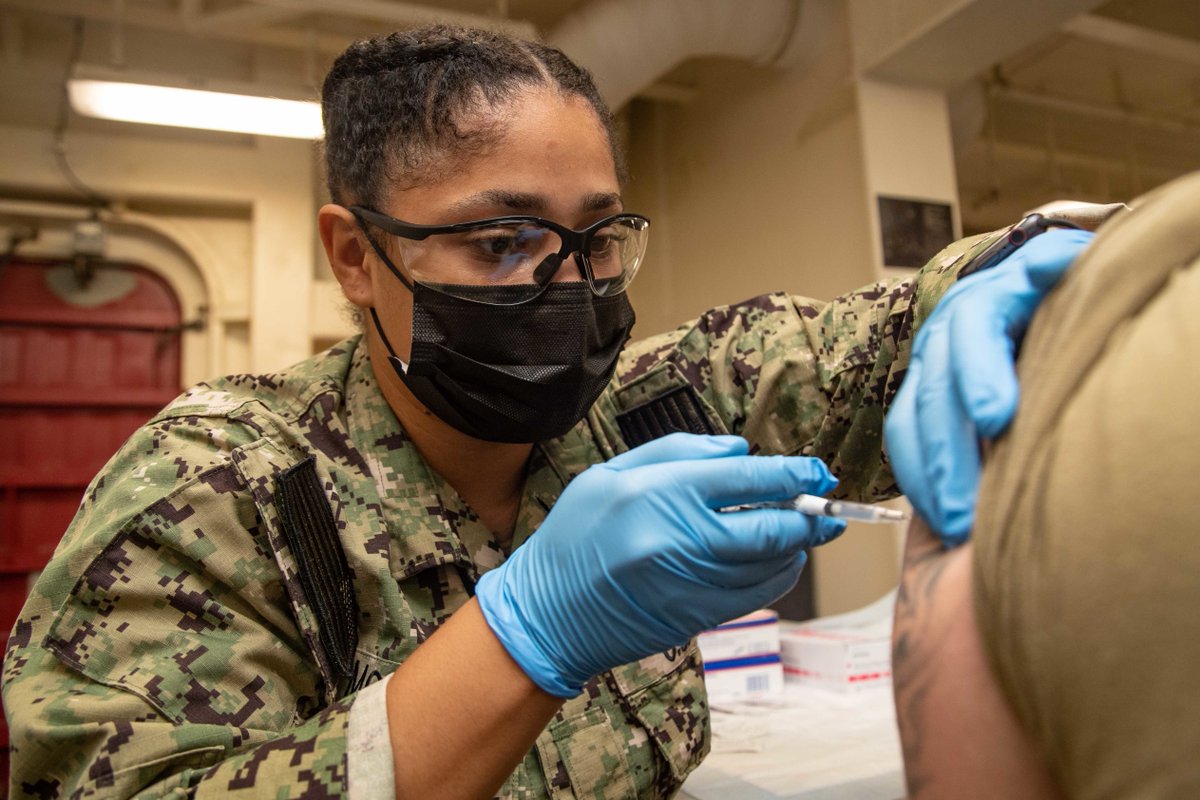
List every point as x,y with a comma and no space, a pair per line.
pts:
913,231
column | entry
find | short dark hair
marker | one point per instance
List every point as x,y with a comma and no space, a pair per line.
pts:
395,104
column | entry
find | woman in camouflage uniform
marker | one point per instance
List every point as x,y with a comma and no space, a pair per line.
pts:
322,582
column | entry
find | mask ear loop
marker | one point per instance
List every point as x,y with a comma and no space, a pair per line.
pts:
395,359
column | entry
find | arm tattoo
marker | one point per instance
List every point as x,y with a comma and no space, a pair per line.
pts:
916,640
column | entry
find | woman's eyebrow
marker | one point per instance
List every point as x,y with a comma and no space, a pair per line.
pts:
513,201
600,201
528,203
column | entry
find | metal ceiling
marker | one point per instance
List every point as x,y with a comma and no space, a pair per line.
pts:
1101,109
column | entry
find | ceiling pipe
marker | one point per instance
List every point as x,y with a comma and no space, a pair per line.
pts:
628,45
1141,118
1132,37
407,14
240,17
153,17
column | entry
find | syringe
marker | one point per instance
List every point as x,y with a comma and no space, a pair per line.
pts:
824,507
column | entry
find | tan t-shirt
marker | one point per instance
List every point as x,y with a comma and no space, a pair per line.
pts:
1087,543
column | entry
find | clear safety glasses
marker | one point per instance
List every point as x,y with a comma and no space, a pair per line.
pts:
521,254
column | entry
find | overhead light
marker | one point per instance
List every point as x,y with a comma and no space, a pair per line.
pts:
128,97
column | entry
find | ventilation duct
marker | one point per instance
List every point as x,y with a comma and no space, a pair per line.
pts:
629,44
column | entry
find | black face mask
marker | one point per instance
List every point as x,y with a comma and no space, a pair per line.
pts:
512,373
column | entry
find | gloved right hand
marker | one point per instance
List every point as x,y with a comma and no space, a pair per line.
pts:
634,558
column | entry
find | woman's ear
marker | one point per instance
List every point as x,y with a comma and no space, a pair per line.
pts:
345,249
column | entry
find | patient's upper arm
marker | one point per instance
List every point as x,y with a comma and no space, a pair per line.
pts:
959,736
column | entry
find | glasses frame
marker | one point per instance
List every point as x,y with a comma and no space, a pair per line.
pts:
573,241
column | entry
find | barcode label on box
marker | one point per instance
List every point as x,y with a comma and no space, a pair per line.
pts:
758,683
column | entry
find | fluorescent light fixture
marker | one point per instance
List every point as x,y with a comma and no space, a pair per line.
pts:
122,97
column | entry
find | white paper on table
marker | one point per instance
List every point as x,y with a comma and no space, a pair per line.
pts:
818,746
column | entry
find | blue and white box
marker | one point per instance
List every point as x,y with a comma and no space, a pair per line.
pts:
741,658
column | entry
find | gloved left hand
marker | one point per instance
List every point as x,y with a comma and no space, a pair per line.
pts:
961,382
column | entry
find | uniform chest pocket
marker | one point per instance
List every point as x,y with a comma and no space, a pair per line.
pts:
665,693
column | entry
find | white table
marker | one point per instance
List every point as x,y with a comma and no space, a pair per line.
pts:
811,744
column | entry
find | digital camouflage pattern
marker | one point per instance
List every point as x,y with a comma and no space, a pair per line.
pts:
168,648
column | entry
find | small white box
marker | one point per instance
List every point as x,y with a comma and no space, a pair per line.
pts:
846,653
741,658
837,661
757,633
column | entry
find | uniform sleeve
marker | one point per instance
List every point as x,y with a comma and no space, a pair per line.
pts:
800,376
156,655
369,765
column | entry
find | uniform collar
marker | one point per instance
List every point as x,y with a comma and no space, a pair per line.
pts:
425,514
428,522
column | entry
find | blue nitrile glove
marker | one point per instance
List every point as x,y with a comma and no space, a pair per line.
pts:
962,383
634,558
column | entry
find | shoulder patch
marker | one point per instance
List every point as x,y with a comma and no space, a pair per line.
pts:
677,411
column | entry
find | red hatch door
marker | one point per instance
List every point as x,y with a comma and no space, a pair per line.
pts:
81,367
